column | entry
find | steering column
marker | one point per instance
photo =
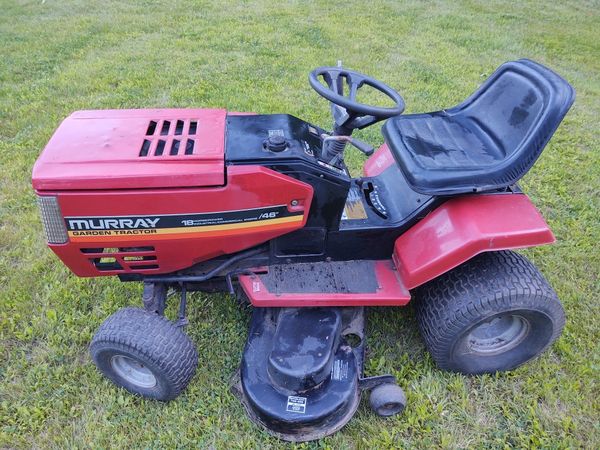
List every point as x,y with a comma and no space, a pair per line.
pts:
341,88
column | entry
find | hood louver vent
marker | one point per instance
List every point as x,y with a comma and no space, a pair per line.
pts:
169,138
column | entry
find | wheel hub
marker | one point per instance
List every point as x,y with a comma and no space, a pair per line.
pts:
133,371
498,335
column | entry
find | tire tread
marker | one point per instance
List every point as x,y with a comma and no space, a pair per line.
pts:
491,281
154,337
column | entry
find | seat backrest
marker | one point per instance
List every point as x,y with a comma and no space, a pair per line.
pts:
519,107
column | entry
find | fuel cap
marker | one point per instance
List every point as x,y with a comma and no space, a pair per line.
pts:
276,143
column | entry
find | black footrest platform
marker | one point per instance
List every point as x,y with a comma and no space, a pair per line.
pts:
322,277
339,283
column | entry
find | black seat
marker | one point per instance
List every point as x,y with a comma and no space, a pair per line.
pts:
487,142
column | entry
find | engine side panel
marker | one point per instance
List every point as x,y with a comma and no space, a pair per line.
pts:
154,231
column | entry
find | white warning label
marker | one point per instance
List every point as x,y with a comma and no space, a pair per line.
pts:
339,370
296,404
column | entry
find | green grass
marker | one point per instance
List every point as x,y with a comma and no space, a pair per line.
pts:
60,56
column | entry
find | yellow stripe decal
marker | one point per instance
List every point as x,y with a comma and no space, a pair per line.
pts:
180,230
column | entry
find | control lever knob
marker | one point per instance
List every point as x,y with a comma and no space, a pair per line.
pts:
363,147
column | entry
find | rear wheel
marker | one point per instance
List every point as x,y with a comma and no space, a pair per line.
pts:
493,313
144,353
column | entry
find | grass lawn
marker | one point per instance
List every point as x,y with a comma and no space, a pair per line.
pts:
60,56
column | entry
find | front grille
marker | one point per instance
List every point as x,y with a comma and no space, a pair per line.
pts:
122,259
169,138
54,225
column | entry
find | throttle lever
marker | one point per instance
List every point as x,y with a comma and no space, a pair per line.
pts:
360,145
363,146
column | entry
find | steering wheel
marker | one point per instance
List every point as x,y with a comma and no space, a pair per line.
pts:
347,112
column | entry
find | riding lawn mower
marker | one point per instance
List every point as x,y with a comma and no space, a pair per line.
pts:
264,207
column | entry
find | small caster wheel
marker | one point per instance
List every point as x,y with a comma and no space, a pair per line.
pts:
387,400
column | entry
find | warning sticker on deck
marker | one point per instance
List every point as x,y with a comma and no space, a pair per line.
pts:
296,404
339,370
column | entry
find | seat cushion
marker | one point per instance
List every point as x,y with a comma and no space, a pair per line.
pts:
489,141
442,141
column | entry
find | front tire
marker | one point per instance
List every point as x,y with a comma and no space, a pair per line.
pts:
492,313
144,353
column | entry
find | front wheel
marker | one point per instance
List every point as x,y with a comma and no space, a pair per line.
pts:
492,313
144,353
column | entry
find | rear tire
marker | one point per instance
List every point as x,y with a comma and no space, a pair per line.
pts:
492,313
144,353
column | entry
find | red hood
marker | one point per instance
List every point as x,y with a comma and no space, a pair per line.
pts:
116,149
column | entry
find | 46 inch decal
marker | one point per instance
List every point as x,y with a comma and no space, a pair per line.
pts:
121,226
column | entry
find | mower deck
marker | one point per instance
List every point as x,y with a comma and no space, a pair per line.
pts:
340,283
302,382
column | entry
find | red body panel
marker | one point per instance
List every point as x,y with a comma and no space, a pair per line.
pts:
378,162
464,227
391,292
102,150
248,187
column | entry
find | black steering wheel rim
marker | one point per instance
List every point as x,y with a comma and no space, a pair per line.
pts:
355,80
